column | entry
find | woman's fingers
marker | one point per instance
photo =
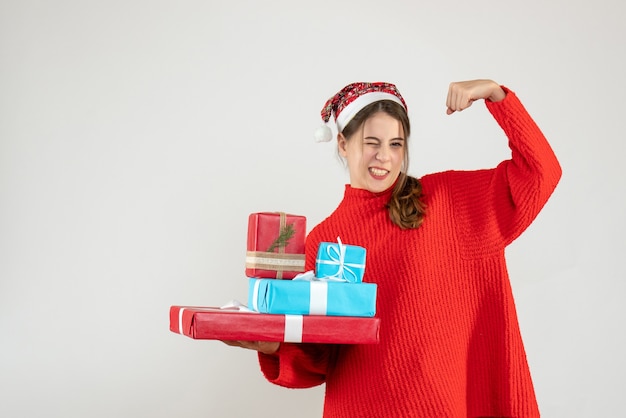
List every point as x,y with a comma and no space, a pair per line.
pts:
266,347
462,94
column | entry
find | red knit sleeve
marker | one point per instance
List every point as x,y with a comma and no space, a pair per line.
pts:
493,207
297,365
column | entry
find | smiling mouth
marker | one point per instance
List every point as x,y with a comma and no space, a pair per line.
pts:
378,172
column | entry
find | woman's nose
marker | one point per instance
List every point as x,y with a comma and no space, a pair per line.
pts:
383,153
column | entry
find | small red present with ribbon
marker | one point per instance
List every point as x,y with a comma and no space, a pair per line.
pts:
275,248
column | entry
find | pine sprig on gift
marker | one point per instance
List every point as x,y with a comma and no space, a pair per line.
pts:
286,233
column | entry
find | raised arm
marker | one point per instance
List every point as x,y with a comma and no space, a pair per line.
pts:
497,205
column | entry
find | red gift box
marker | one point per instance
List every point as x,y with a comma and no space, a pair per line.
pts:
275,245
231,324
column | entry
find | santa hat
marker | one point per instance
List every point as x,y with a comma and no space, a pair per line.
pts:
350,100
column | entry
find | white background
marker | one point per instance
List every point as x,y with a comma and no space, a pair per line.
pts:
137,136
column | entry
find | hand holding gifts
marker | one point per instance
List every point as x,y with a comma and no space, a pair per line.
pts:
330,305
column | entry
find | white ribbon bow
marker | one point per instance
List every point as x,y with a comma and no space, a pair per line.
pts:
337,257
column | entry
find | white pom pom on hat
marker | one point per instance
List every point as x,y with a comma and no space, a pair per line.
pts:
350,100
323,134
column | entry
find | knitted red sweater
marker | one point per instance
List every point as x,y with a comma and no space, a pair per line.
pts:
450,343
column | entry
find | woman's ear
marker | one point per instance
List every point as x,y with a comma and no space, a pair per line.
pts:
342,144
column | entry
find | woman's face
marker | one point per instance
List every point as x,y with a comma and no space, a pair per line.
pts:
374,153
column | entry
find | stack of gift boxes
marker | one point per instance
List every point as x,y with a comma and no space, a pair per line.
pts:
330,304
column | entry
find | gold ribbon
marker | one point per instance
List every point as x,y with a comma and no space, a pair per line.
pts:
273,261
281,247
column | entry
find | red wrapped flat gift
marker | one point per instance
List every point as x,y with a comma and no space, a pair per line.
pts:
275,247
230,324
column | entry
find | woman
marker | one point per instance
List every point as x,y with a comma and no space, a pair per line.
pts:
450,343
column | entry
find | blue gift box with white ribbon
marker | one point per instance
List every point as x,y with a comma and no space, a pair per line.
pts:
312,297
340,261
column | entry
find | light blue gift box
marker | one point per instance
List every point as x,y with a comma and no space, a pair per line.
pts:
312,297
340,261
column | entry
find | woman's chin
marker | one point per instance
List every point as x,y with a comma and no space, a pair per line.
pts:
378,186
